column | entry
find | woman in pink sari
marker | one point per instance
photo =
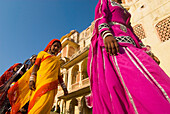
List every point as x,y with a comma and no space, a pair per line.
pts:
123,77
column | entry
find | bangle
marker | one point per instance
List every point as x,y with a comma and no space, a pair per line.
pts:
63,85
107,34
148,51
34,73
106,31
32,78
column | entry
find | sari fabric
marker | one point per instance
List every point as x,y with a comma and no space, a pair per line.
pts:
41,100
130,82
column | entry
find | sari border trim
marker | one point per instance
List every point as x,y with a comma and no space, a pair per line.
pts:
103,58
44,89
104,71
103,25
39,60
124,85
87,101
153,79
137,66
12,92
91,68
46,58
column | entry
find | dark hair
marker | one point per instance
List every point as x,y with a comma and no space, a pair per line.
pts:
58,42
34,55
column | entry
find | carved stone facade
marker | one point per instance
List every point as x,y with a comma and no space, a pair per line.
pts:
139,31
150,20
153,16
163,29
74,69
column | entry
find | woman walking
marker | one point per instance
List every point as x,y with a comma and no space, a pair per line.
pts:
124,78
40,83
5,81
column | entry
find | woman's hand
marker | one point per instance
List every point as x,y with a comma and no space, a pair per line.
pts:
65,91
111,45
32,85
22,110
154,58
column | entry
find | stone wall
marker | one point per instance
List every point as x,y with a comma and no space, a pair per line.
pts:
154,18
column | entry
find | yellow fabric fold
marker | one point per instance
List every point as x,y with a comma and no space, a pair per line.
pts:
48,72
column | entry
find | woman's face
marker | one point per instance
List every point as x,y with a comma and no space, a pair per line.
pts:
118,1
33,59
17,68
55,48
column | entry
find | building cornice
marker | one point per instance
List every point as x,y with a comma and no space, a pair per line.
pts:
80,55
75,93
67,41
67,35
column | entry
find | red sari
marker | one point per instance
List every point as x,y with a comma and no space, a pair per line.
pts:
3,81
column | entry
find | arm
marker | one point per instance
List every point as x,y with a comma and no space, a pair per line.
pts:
63,85
26,63
148,51
110,42
33,77
34,71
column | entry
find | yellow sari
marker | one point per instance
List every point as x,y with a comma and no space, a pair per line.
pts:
41,100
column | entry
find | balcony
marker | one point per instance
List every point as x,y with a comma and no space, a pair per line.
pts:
85,82
75,86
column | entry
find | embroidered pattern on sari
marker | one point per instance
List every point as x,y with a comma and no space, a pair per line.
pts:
125,39
102,26
122,27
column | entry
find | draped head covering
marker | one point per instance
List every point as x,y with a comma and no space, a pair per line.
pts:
50,44
12,67
8,73
33,56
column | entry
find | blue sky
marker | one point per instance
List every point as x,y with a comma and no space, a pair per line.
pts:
26,26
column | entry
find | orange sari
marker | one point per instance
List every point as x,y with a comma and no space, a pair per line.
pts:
41,100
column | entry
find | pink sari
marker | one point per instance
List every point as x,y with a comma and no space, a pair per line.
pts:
130,82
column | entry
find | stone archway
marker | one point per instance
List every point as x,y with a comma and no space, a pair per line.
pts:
74,74
85,109
84,69
73,103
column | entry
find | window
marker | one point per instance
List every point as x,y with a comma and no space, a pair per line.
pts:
163,29
74,73
71,51
139,31
64,52
73,104
84,69
84,43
